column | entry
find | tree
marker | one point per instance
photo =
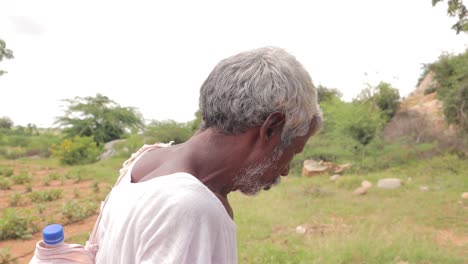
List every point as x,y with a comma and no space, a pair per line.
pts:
457,9
451,74
326,94
384,96
98,117
6,123
4,54
169,130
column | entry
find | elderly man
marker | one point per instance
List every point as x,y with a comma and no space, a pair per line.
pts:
259,108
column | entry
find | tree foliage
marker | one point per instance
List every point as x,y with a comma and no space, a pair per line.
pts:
457,9
451,74
6,123
169,130
383,96
98,117
4,54
327,94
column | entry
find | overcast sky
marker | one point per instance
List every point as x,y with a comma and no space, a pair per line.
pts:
154,55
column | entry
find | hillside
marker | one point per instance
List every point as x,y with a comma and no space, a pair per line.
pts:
420,115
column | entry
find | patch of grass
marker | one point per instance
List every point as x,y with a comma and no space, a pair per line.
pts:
385,226
95,187
78,239
45,196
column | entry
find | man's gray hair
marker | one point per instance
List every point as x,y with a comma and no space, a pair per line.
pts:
244,89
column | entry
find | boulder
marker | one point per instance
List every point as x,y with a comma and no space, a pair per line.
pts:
389,183
300,230
360,191
313,167
335,177
464,195
366,184
342,168
424,188
109,150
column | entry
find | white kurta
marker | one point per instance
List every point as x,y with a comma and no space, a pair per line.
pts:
168,219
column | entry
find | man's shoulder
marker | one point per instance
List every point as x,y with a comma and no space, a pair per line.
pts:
184,194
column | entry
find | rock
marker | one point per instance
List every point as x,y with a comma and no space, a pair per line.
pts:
389,183
312,168
424,188
464,195
366,184
343,167
335,177
109,150
300,230
360,191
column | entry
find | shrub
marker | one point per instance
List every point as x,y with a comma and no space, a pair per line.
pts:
16,224
5,257
72,211
167,131
130,145
15,152
16,199
95,187
21,178
6,171
452,87
45,196
79,150
5,184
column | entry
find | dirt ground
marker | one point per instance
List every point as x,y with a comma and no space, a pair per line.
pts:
72,189
23,250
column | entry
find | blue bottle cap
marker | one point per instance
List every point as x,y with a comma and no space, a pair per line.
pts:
52,234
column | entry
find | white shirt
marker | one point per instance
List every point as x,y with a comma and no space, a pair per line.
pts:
168,219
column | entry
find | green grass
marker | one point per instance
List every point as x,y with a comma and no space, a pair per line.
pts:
384,226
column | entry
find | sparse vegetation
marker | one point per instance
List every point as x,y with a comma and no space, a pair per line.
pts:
5,183
72,211
21,178
5,257
45,196
16,224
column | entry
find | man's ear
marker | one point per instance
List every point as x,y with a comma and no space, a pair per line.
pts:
272,126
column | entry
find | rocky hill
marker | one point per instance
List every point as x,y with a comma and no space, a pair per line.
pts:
420,115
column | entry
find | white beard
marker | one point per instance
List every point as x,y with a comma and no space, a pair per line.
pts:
248,180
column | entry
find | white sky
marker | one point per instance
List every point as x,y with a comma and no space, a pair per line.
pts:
154,55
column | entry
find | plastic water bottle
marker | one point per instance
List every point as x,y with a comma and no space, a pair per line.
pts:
52,236
53,249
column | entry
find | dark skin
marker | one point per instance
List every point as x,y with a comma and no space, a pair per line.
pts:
215,158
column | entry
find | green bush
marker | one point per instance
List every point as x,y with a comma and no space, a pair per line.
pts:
130,145
16,224
79,150
452,79
5,257
5,183
73,211
45,196
15,152
166,131
6,171
16,199
21,178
